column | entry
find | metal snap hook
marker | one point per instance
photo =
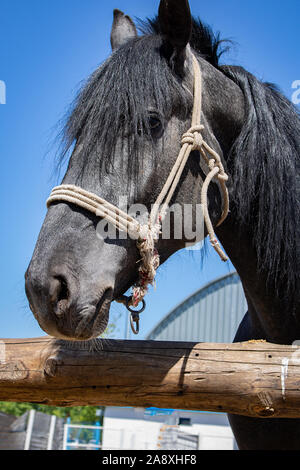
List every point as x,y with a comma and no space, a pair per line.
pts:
135,316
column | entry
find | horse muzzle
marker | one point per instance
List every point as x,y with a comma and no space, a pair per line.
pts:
61,310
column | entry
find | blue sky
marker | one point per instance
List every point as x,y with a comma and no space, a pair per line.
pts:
47,47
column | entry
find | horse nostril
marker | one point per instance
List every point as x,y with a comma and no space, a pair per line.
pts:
59,295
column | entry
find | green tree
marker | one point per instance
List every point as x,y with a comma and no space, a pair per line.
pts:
78,414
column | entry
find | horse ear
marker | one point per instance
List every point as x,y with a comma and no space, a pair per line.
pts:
123,29
175,22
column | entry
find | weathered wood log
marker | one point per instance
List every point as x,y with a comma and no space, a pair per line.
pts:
252,379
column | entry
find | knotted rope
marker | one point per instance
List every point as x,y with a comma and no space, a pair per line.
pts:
147,235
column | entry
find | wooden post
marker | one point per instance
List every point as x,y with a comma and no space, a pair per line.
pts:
252,379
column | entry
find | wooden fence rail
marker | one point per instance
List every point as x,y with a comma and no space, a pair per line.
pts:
252,379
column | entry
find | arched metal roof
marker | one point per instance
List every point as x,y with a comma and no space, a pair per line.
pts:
212,314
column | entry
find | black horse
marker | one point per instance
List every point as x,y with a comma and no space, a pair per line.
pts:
126,126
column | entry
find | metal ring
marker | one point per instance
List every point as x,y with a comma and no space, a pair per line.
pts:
129,299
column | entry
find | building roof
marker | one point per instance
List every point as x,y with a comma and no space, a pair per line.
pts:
211,314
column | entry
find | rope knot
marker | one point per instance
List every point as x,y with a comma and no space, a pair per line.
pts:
193,137
222,176
212,164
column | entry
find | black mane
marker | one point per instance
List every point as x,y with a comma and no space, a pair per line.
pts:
265,167
100,113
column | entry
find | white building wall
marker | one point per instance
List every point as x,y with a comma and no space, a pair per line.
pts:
131,429
130,434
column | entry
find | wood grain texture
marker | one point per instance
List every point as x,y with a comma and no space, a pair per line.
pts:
252,379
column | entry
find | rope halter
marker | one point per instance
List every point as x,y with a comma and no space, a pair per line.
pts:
147,235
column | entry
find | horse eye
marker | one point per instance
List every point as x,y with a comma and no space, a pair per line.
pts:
154,122
155,125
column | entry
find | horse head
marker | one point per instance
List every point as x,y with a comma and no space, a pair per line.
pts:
126,127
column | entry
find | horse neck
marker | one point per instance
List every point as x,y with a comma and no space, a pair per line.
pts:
271,318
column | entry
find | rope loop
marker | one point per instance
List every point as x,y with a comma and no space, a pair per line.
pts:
223,177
